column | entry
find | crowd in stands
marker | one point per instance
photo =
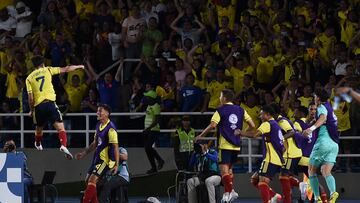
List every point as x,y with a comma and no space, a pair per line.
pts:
189,50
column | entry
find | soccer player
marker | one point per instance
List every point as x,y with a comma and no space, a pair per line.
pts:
106,156
326,147
292,155
42,104
227,118
303,121
273,148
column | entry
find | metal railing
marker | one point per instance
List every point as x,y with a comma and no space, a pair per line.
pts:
249,155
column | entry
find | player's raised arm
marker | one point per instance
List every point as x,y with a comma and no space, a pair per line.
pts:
70,68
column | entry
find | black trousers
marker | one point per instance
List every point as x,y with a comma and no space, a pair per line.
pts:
149,139
107,186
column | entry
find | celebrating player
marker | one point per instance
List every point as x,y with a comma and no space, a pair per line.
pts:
326,147
292,155
273,148
106,156
228,117
42,104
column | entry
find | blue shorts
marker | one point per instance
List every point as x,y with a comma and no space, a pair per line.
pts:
290,166
228,156
268,170
324,154
46,112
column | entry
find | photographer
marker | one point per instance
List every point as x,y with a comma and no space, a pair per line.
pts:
111,182
10,147
204,161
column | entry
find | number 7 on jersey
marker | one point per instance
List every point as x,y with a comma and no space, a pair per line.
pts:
42,78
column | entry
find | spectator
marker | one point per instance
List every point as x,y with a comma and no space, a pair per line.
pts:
59,50
180,73
165,50
103,14
7,23
115,42
50,15
84,9
265,68
204,161
76,90
190,97
107,87
188,31
131,28
213,91
148,71
147,12
151,38
90,102
103,52
10,147
24,18
118,181
167,93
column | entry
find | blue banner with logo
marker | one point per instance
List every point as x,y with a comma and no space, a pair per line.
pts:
11,177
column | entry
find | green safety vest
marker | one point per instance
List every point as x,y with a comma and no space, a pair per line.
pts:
186,140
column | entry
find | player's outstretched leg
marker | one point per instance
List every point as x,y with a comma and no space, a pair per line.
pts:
38,138
63,139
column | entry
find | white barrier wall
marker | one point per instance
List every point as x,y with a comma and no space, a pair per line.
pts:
74,171
11,178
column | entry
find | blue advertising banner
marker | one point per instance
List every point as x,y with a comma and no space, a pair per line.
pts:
11,177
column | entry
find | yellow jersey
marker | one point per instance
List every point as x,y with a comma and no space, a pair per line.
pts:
238,77
254,113
305,101
83,9
265,69
271,155
214,89
39,84
75,96
12,87
291,150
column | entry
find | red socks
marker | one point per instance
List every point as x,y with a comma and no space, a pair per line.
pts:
294,182
63,138
264,191
38,138
90,194
271,193
286,188
323,197
227,182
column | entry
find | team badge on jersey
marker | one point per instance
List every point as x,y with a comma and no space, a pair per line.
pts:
233,119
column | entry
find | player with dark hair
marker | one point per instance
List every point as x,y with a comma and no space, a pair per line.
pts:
228,117
41,96
106,156
292,154
273,148
326,147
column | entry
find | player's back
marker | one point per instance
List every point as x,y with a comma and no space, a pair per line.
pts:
39,83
